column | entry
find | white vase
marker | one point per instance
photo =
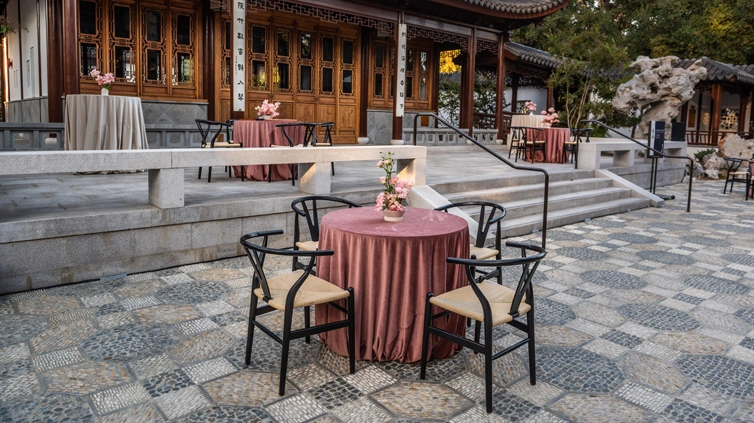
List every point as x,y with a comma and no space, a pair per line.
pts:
267,117
393,216
105,91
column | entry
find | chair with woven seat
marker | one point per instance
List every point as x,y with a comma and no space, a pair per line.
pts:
571,147
312,140
490,304
489,214
308,208
207,128
284,127
289,291
536,143
737,174
518,141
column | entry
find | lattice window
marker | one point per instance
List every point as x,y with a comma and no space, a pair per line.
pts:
283,63
183,49
327,60
154,45
257,48
380,74
122,23
306,63
425,59
90,37
438,36
227,45
410,65
347,66
323,14
486,45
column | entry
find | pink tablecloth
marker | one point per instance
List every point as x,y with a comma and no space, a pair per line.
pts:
264,133
554,138
391,267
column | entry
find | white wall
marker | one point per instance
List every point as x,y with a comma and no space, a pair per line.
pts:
13,55
43,43
537,95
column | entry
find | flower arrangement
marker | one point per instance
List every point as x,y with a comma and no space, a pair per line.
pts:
531,106
393,198
268,109
550,116
104,81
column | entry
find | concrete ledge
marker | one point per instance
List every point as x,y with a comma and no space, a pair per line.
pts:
624,152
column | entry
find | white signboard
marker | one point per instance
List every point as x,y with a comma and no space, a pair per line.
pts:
400,86
239,55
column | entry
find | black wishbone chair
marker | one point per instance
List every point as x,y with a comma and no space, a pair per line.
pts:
288,138
491,304
293,290
308,209
206,130
518,141
489,214
535,144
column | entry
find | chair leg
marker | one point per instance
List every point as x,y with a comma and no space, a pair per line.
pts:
332,168
477,331
307,322
351,332
200,173
250,333
488,366
209,175
425,336
286,347
532,360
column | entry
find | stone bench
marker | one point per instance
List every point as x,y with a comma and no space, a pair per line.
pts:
166,166
624,152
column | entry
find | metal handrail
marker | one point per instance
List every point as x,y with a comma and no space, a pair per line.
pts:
499,157
658,154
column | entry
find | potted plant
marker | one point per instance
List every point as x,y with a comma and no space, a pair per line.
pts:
268,110
392,200
104,81
550,117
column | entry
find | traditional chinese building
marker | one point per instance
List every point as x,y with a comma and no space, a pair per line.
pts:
330,60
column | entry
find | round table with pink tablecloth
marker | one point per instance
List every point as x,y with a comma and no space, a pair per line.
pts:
265,133
391,267
554,138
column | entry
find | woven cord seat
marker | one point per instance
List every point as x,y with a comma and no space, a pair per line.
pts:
482,253
489,305
307,245
286,292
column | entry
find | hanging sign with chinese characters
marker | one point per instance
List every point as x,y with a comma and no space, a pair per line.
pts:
239,55
400,86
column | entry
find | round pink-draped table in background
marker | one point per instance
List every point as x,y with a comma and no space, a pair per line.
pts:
264,133
555,139
391,267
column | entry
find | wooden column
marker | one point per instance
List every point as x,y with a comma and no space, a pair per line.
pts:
366,40
514,93
467,85
500,88
54,60
745,100
209,77
550,97
717,102
70,47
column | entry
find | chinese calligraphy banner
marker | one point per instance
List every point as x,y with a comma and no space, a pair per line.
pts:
400,86
239,55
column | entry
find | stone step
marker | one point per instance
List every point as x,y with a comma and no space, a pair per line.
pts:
507,195
508,180
526,224
531,206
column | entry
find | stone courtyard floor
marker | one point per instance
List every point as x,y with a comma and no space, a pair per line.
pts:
642,317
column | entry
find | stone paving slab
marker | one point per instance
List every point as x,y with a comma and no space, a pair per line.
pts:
643,316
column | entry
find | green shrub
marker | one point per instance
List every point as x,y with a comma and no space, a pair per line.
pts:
699,155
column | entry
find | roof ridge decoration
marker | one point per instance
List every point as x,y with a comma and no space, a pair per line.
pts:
719,71
521,7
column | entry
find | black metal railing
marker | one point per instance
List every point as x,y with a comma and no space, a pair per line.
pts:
658,154
499,157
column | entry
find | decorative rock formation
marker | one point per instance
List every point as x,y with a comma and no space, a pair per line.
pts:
734,146
659,85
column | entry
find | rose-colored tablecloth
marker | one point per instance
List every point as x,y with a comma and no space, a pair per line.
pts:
264,133
391,267
554,138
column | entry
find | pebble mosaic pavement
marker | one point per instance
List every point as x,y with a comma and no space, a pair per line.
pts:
646,316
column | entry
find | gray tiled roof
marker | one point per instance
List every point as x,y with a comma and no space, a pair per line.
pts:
518,6
718,71
532,55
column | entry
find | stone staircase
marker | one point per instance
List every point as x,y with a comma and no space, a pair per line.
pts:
575,195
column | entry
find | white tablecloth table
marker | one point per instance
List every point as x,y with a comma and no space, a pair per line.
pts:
97,122
528,121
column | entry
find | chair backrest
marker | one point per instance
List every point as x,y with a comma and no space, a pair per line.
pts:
328,134
284,126
506,125
489,214
528,265
308,208
581,134
205,129
733,164
257,252
518,133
